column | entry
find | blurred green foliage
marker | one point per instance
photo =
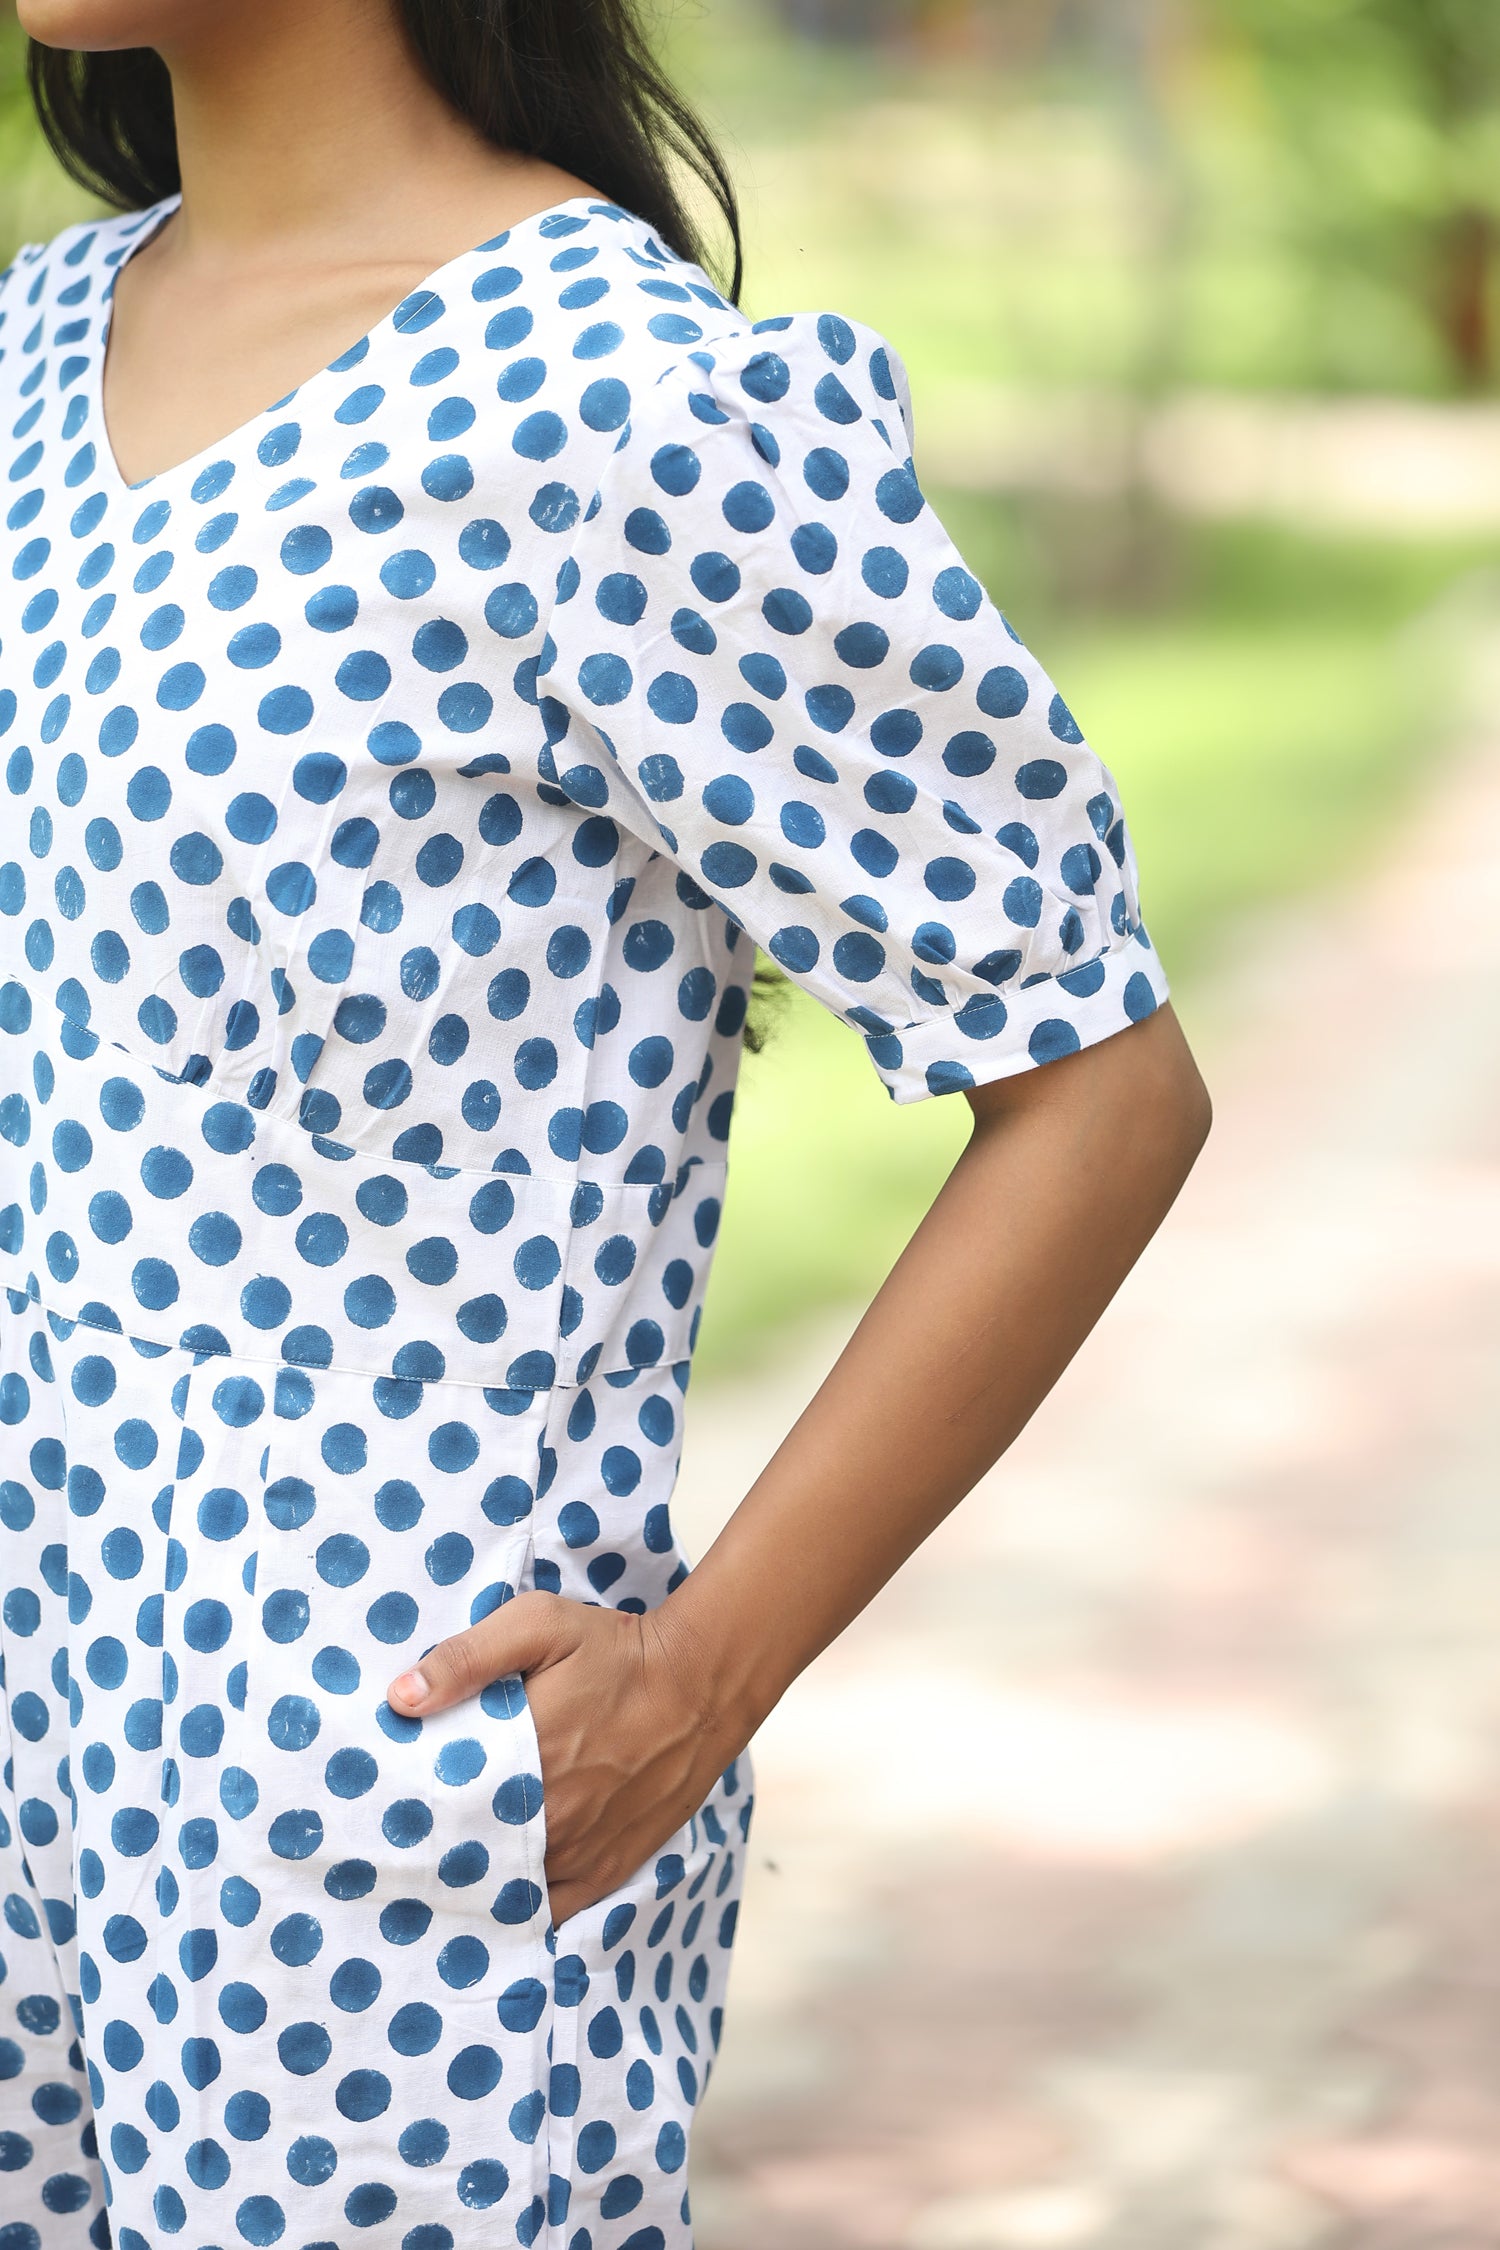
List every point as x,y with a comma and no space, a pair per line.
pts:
1392,109
1255,192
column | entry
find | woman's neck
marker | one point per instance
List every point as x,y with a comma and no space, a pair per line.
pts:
300,119
322,177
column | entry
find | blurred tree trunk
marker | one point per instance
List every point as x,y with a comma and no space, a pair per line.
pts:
1453,46
946,27
1440,59
1465,278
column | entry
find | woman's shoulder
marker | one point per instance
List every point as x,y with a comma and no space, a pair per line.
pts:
49,295
819,372
18,282
83,243
23,295
65,270
690,354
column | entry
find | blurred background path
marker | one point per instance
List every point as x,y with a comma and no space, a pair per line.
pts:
1126,1878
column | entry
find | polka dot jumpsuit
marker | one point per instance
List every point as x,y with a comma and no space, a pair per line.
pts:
395,793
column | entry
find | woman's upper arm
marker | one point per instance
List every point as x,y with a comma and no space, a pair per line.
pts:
1137,1097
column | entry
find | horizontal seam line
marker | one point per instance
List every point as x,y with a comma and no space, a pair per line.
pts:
333,1367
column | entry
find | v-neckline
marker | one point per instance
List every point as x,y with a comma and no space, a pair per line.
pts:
155,216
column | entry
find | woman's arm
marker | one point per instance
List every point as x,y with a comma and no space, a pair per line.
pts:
1068,1174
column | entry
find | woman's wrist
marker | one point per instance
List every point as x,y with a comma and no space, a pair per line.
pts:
725,1654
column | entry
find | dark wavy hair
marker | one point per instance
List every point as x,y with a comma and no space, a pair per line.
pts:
571,81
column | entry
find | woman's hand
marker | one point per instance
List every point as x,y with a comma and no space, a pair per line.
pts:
631,1744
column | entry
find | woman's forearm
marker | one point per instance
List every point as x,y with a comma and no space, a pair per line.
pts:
1068,1173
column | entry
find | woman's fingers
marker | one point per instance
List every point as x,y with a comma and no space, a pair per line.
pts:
530,1631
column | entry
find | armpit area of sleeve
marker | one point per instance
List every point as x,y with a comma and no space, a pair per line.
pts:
998,1035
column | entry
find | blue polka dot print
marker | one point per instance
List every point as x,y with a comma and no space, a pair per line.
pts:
397,793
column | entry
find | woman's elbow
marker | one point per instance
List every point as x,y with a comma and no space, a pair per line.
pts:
1140,1090
1171,1101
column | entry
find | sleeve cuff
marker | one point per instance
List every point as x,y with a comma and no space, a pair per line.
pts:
997,1036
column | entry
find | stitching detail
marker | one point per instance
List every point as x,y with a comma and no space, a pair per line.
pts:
332,1367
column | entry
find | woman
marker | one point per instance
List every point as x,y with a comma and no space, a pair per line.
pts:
401,776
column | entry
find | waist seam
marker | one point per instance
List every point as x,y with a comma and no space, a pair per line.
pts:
278,1365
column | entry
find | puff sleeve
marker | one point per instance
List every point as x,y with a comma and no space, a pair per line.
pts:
769,645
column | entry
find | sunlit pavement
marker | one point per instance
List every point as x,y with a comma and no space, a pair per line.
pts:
1387,465
1129,1877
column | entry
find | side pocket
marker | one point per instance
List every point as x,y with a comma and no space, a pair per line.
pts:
374,1544
507,1699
